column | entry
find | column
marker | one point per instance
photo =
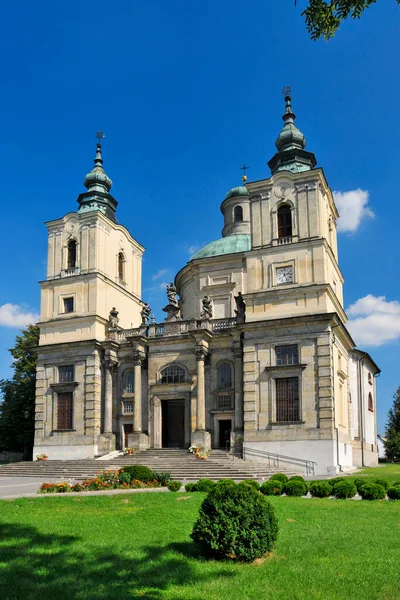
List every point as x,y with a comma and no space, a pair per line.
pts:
137,408
238,354
108,375
201,354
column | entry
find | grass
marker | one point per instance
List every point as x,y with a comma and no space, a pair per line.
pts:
138,546
389,472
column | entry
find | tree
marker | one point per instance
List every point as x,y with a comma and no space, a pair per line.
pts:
17,408
323,18
392,443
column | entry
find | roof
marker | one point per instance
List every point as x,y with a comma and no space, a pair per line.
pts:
240,242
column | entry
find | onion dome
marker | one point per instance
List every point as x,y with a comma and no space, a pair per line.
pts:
290,137
237,191
97,179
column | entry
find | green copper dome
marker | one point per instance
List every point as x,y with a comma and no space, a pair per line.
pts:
227,245
237,191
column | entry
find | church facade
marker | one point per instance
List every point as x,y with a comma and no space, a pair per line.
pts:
253,355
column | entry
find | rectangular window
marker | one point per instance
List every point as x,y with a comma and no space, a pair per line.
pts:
224,400
287,399
64,410
287,355
66,374
127,407
68,305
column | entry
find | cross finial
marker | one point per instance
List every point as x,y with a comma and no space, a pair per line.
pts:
286,90
99,135
244,169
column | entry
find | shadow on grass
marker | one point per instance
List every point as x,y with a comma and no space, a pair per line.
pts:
34,565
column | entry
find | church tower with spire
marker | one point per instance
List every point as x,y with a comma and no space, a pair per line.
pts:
93,266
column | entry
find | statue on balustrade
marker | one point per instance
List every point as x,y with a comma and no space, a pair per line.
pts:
240,309
171,294
206,312
145,313
113,319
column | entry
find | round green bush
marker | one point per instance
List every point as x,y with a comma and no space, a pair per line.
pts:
394,492
344,489
272,487
300,478
235,522
382,482
359,483
204,485
174,486
124,477
336,480
320,489
190,487
372,491
162,477
224,482
280,477
295,488
138,472
254,484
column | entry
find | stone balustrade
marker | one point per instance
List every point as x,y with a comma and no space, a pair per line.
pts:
171,328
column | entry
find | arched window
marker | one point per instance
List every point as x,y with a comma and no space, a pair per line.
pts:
370,402
238,214
71,254
284,221
128,382
121,261
224,376
173,374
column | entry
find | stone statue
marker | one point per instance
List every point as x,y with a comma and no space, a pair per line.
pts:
206,312
113,319
171,294
145,313
240,308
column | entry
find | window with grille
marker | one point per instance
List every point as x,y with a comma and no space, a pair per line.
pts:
71,251
68,305
66,374
287,399
64,410
224,400
238,214
127,407
284,221
224,376
287,355
173,374
129,382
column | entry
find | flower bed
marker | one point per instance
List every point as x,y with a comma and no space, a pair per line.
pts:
107,480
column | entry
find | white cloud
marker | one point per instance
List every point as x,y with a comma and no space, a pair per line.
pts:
13,315
375,321
159,274
353,208
155,288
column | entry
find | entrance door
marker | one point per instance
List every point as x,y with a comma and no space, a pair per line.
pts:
173,423
128,428
224,427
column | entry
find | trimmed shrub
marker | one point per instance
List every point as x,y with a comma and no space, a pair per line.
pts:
382,482
161,477
272,487
300,478
372,491
174,486
359,483
124,477
280,477
225,482
394,492
235,522
138,472
204,485
320,489
336,480
190,487
344,489
254,484
295,488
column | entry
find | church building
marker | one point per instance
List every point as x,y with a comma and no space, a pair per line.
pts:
253,355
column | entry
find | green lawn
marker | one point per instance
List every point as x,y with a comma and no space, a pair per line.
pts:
390,472
138,546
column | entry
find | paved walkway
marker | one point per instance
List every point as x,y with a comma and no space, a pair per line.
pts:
17,487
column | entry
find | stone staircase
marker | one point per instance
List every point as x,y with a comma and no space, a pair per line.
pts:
179,463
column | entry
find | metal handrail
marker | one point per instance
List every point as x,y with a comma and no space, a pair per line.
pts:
275,459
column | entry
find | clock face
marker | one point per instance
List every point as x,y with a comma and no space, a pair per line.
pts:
284,275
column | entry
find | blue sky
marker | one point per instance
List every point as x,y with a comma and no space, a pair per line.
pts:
185,93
